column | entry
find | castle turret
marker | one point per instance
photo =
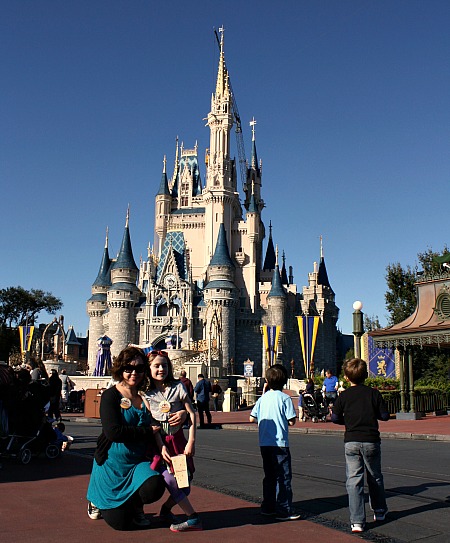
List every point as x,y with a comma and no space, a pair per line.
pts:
319,299
97,305
123,296
276,307
221,198
221,296
163,202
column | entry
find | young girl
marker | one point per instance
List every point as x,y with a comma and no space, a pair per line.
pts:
167,395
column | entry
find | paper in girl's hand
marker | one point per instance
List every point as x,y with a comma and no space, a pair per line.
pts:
179,467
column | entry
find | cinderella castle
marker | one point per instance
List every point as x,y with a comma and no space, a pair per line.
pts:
210,284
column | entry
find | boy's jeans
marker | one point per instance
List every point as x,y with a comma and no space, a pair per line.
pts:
277,488
357,456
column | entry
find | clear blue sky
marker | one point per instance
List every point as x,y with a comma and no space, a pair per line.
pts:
351,100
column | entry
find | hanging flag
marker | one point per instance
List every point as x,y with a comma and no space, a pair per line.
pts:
26,335
308,327
271,336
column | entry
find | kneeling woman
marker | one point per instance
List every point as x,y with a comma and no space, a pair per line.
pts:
121,479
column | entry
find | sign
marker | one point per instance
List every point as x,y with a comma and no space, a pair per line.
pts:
248,368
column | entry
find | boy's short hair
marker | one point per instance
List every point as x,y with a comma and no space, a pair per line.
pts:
355,369
276,377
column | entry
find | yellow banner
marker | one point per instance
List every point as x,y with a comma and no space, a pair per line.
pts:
26,335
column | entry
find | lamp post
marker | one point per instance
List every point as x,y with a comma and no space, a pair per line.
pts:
358,326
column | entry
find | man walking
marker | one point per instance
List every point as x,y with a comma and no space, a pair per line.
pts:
187,383
203,390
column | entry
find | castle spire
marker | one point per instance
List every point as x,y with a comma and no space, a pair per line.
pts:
284,277
164,185
104,273
322,275
270,260
125,257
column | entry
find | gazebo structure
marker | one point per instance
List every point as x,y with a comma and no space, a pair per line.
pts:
428,326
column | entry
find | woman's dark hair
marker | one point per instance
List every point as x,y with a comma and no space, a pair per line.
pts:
170,378
126,356
355,369
276,377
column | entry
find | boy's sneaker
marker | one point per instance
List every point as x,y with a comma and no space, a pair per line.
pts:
140,520
357,528
93,512
189,525
291,516
379,514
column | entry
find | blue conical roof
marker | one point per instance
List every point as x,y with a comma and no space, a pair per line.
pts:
254,161
270,260
277,290
104,273
164,186
71,338
284,278
322,277
252,207
125,257
221,255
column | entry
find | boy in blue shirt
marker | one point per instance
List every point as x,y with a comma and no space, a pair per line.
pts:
274,412
360,408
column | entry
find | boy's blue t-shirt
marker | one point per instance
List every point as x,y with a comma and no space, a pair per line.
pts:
273,411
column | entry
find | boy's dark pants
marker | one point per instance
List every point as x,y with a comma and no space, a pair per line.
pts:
277,477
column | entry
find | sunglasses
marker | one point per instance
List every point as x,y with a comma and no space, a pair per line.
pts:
140,368
160,353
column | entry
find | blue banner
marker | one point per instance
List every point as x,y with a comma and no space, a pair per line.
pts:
381,361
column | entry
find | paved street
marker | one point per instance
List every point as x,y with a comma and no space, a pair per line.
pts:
227,489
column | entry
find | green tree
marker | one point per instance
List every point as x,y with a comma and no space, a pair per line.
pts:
371,323
19,306
401,296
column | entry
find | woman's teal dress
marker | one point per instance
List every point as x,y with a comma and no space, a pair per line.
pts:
125,469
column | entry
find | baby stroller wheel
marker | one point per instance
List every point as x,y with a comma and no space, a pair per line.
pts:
25,456
52,451
315,419
324,418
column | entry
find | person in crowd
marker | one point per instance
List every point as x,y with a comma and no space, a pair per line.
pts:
167,395
67,386
55,386
122,480
360,408
62,440
330,386
202,391
187,385
216,391
274,413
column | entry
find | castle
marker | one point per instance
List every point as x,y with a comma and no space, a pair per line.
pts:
207,284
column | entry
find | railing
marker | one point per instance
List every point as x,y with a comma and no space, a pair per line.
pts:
426,402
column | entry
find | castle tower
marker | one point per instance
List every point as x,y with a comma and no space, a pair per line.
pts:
123,296
97,305
221,199
276,311
221,297
163,202
319,299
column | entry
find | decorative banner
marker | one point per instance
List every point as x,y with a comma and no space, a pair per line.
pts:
381,361
26,335
271,335
308,327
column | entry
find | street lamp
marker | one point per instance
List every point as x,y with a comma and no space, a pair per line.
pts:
358,326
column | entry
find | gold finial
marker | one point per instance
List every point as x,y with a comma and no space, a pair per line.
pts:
321,247
164,163
107,237
127,221
253,124
276,254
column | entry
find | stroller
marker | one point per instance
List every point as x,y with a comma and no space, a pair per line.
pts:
28,432
315,407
